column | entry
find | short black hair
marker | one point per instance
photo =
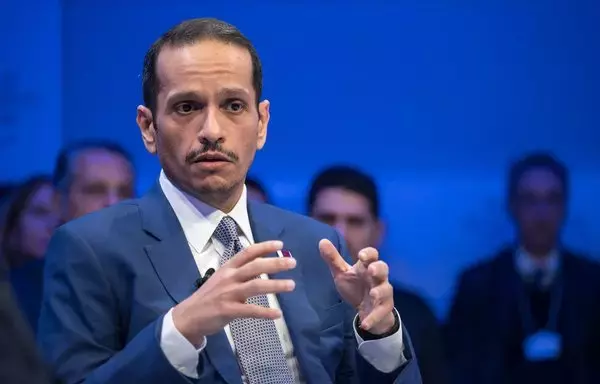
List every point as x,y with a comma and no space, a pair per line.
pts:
189,32
61,177
255,183
541,159
348,178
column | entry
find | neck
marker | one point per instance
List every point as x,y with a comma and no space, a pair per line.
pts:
538,252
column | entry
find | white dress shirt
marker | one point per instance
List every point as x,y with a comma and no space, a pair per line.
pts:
527,265
199,222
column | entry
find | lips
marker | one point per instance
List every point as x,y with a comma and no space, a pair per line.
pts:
211,157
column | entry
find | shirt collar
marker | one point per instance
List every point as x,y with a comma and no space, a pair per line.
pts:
527,265
198,219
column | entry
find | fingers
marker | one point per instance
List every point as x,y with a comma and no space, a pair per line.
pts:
379,272
259,286
267,266
254,251
383,298
368,255
332,257
243,310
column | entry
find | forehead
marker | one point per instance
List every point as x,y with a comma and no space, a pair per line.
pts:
539,179
204,64
339,201
99,164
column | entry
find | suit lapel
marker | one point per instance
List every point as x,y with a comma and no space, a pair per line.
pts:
294,305
169,254
509,289
174,264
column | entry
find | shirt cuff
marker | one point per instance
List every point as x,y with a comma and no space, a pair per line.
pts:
180,353
386,354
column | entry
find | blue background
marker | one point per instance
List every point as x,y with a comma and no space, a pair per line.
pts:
434,98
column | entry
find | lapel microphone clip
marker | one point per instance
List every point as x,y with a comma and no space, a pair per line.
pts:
199,282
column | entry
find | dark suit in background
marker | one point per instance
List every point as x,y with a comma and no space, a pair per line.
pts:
19,360
425,333
27,282
486,331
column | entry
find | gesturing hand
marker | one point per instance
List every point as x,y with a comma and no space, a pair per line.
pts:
363,285
223,297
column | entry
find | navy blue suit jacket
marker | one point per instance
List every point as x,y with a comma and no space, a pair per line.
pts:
111,276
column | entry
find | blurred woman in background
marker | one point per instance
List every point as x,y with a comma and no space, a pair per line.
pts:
29,217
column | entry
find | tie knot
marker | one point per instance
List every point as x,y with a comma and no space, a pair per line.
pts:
226,231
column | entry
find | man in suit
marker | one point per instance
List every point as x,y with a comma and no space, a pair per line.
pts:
530,314
347,199
119,304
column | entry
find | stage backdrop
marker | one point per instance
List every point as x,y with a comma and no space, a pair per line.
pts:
30,86
433,98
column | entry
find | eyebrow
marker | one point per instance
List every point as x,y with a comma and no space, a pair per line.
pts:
228,92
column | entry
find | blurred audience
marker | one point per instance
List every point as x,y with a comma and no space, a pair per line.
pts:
29,217
348,199
20,362
530,314
5,189
256,190
91,175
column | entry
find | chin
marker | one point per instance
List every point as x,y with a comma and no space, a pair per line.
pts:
212,184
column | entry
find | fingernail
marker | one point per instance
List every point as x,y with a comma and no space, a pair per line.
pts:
278,244
291,285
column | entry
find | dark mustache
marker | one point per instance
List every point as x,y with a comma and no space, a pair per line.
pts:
211,147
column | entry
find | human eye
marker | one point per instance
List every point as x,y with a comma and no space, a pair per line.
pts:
235,106
186,107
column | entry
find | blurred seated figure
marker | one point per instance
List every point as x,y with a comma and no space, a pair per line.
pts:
348,200
91,175
29,217
5,189
256,191
19,358
531,313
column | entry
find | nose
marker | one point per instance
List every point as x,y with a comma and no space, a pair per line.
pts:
211,129
340,226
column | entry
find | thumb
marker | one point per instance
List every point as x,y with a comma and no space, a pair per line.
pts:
332,257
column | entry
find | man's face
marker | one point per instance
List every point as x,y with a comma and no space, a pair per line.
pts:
350,214
99,178
539,209
206,106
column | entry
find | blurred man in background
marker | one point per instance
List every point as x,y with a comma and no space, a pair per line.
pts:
92,175
530,314
348,199
256,190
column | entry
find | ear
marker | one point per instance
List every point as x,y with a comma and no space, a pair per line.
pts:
263,121
146,123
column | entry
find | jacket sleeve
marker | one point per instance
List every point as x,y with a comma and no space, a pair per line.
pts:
355,369
79,329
